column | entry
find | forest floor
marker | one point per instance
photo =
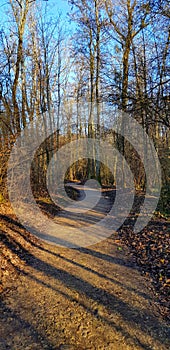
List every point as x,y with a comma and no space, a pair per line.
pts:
85,298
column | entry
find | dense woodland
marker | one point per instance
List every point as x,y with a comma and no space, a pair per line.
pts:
117,54
68,78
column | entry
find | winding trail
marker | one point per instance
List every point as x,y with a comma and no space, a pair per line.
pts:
83,298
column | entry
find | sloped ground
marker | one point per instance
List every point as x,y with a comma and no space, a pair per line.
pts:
151,249
88,298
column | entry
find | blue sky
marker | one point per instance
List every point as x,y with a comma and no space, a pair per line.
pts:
63,6
58,5
53,5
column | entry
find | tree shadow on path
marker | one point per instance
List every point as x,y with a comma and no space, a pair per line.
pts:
143,320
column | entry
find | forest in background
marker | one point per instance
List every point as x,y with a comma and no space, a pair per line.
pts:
116,55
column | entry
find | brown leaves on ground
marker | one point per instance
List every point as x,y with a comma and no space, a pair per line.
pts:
10,250
151,248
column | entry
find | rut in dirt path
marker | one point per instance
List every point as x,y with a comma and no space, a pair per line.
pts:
83,298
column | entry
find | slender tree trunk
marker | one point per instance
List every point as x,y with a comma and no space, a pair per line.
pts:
97,86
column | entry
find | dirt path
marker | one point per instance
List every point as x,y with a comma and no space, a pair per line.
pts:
89,298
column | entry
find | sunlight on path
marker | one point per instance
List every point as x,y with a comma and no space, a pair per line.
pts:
91,298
